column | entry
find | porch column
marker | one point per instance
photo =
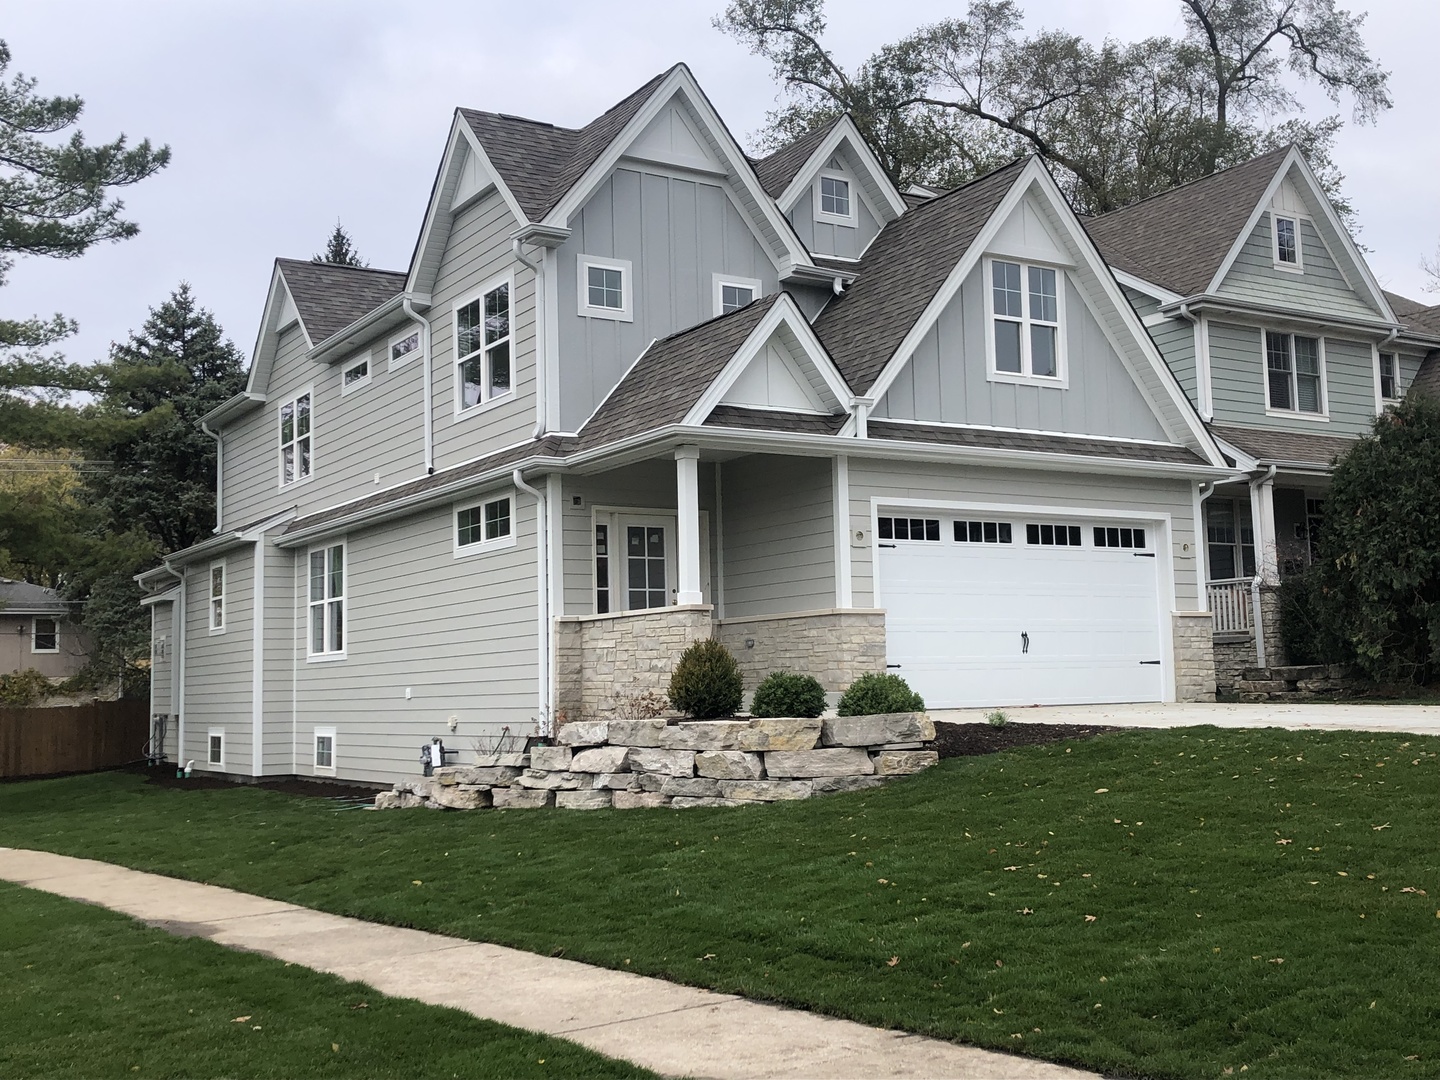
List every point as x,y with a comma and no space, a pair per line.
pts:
687,533
1262,520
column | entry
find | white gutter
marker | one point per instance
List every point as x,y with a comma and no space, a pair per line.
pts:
219,472
428,418
538,269
542,559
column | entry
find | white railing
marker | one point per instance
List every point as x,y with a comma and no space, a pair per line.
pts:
1230,604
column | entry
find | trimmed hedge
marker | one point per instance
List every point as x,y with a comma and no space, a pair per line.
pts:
785,693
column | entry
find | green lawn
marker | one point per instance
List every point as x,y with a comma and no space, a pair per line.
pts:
85,992
1146,903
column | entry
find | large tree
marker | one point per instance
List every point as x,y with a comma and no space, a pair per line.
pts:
1118,121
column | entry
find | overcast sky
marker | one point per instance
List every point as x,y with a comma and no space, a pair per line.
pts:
283,116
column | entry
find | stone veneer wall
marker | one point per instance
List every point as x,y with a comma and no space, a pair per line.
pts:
1233,657
603,659
1275,652
1194,655
836,646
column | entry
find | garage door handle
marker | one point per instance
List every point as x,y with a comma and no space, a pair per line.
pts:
1024,643
1156,662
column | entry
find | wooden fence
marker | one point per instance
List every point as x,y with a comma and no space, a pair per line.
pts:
70,739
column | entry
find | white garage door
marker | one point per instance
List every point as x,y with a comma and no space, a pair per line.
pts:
987,609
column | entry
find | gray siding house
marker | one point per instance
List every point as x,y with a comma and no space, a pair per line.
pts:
636,389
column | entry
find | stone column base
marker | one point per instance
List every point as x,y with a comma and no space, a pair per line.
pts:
1194,655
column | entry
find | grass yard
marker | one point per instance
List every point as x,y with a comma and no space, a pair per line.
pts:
1168,904
86,992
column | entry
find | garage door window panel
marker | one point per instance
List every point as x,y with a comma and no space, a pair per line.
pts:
1113,537
1045,535
900,528
983,532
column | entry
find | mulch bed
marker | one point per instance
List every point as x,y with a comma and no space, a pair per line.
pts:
971,740
164,776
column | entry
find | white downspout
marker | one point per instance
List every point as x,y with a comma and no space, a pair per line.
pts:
182,605
542,595
219,473
425,382
1256,520
1203,490
538,270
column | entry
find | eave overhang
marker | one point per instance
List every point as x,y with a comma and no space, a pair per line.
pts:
387,316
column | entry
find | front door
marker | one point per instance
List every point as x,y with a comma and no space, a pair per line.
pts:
647,570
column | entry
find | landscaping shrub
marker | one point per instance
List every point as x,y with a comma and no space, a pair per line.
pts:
21,688
706,682
784,693
872,694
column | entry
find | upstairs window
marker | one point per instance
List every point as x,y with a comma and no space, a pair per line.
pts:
482,347
835,197
733,293
605,288
403,347
1293,373
1287,242
355,374
217,597
295,436
1389,377
327,602
484,525
1025,342
44,636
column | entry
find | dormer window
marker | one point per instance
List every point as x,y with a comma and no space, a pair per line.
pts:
1287,242
834,201
1025,313
606,289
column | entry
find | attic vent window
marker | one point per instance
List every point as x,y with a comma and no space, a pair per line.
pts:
1287,242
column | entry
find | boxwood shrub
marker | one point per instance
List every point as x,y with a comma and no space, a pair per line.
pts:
876,693
706,682
784,693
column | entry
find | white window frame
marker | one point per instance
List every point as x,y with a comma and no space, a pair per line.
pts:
721,280
850,220
35,633
390,362
481,547
318,734
487,400
281,444
213,733
626,311
324,604
217,626
1298,266
1061,378
1380,397
348,387
1294,413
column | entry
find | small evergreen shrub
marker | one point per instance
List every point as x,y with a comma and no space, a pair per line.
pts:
998,718
706,682
784,693
875,693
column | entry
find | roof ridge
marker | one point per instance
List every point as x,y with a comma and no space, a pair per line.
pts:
1191,183
340,266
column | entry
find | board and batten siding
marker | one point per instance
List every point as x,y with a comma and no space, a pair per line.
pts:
1237,375
946,381
677,234
219,667
1321,289
878,479
459,634
827,237
779,535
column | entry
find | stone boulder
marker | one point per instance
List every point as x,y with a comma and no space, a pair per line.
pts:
832,785
489,775
667,762
554,781
766,790
729,765
778,733
600,759
904,762
636,732
684,801
387,800
551,758
583,733
519,798
583,800
409,800
809,763
637,800
619,781
877,730
704,735
462,798
691,787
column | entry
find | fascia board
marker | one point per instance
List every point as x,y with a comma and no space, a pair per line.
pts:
230,408
843,131
1232,306
1243,462
214,546
372,322
1149,288
168,596
263,355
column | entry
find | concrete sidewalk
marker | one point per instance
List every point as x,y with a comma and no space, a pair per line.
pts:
671,1029
1415,719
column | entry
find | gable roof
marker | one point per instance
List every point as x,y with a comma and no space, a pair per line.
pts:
1427,379
1413,315
22,598
1181,238
901,272
540,162
776,170
330,297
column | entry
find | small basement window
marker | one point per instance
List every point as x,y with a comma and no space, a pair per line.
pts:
899,528
982,532
325,750
1053,535
1111,537
44,636
215,755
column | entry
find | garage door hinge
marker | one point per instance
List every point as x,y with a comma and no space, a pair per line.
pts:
887,545
1143,554
1150,661
892,665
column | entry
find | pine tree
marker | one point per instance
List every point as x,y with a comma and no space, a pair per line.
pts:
340,250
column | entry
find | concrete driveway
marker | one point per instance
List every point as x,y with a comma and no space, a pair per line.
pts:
1416,719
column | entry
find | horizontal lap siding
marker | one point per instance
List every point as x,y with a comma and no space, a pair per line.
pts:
284,575
945,483
1321,288
1175,338
461,633
219,667
779,535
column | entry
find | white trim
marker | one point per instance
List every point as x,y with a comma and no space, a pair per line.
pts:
262,358
481,547
1020,430
626,311
34,633
211,597
412,331
294,401
316,735
1295,412
348,385
324,603
840,498
826,217
257,661
1298,266
756,287
1381,401
211,733
487,399
846,132
1025,376
1149,288
717,571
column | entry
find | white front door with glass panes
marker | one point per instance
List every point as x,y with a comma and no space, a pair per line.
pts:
1230,540
635,560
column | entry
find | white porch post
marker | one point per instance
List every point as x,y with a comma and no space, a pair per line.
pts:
687,510
1262,520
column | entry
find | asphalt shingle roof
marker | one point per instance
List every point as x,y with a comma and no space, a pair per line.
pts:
1427,379
22,598
1289,447
902,271
736,416
1413,315
330,297
1034,442
777,170
1178,240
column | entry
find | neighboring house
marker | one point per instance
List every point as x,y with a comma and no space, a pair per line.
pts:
636,389
1266,311
39,630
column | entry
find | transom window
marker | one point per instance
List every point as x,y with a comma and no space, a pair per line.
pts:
482,346
355,375
1292,364
1287,241
327,601
1053,535
295,436
982,532
1111,537
605,288
484,524
1025,339
217,597
835,196
45,636
403,347
900,528
1389,377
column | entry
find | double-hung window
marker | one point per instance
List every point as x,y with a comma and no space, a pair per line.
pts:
605,288
1287,242
1294,380
483,347
296,423
45,636
1025,338
1389,377
485,525
327,602
1230,541
217,597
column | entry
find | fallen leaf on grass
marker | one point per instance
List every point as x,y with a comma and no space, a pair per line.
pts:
1278,960
1012,868
892,961
997,1012
707,956
1412,889
1025,911
1091,918
1377,828
240,1019
1284,841
335,1047
1101,790
417,882
360,1005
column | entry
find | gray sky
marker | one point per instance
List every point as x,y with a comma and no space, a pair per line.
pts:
284,116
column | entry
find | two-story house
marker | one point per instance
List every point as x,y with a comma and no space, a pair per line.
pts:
636,388
1266,311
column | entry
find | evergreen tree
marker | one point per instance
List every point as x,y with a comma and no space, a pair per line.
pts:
340,250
